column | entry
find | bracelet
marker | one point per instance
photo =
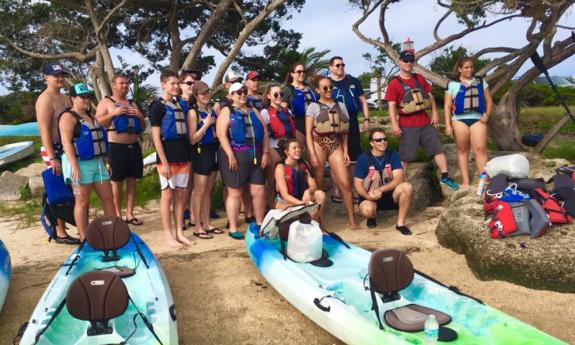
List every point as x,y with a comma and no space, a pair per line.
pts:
365,119
265,153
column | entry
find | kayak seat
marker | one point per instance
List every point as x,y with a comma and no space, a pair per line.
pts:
108,234
97,297
390,271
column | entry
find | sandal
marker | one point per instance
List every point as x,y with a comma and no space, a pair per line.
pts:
203,235
236,235
192,223
214,230
134,221
336,199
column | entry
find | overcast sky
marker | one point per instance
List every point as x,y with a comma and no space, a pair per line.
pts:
326,24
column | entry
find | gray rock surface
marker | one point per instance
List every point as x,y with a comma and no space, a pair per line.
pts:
10,186
544,263
36,185
426,189
34,169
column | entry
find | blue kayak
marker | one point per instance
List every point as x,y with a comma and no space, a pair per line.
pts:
5,273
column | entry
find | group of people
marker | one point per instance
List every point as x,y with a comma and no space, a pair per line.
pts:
257,142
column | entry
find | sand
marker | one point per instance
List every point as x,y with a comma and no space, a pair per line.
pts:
222,299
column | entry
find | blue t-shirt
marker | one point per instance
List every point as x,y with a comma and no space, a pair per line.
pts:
379,162
347,91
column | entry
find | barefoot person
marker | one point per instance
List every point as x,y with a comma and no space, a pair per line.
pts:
378,179
294,182
125,123
469,100
203,137
243,156
85,161
408,97
50,104
170,136
326,127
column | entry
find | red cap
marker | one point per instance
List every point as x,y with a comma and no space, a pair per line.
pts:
252,75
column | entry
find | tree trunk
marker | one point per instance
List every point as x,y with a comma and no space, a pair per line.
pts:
98,76
503,129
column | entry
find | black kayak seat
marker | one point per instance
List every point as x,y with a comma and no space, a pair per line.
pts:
108,234
390,271
97,297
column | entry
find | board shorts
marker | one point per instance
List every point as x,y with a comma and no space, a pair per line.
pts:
204,159
247,171
386,202
91,170
179,175
412,137
126,161
46,158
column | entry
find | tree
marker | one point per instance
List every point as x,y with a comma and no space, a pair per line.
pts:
542,33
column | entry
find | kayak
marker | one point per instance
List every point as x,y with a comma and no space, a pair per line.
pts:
28,129
148,290
5,273
338,298
14,152
150,159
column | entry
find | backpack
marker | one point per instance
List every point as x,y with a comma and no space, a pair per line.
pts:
57,202
565,188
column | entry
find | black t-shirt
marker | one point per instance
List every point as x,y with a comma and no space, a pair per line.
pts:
177,150
347,91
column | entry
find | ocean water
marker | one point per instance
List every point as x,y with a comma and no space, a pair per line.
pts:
24,129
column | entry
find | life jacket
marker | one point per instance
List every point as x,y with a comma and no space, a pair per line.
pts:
414,100
556,213
210,135
282,123
348,96
502,223
376,177
470,98
174,124
90,139
184,105
254,102
245,129
301,99
331,121
125,123
296,178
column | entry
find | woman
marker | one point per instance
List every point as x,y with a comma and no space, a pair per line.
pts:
468,105
298,96
201,122
281,124
243,155
85,161
187,80
294,183
327,124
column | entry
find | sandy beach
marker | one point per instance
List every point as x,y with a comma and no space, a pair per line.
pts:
222,299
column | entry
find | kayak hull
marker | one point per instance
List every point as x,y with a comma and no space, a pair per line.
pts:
14,152
5,273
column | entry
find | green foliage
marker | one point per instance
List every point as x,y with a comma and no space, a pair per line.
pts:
541,119
443,64
365,80
218,195
17,107
560,148
536,94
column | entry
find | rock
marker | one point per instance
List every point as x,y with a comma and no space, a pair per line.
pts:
426,190
36,185
34,169
10,186
545,263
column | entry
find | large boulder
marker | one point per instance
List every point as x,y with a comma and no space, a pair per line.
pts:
426,189
36,185
34,169
11,186
544,263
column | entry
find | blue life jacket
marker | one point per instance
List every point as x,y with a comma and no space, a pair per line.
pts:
254,102
245,129
210,135
174,122
348,96
90,139
471,98
301,99
125,123
184,104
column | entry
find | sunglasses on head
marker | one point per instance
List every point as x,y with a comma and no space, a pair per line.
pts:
189,82
327,88
379,140
338,65
278,94
299,71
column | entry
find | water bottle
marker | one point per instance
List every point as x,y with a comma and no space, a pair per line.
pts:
482,181
431,330
76,187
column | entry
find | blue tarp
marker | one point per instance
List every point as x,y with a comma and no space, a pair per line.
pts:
24,129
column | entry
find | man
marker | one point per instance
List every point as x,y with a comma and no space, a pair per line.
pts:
252,84
378,179
408,96
229,79
125,123
50,104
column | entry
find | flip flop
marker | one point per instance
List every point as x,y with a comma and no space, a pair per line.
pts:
203,235
236,235
134,221
336,199
214,230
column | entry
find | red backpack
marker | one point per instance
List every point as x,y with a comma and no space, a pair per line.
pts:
556,213
282,123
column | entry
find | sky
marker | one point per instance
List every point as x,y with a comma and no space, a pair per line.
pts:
327,24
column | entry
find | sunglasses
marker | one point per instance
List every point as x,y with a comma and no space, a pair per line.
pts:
189,82
327,88
278,95
301,71
379,140
240,92
338,65
409,61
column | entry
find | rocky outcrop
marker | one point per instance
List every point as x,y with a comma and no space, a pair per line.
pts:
34,169
426,189
11,186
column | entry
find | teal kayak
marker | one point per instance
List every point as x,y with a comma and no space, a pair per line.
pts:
148,288
5,273
338,299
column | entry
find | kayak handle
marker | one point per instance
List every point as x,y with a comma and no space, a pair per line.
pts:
318,304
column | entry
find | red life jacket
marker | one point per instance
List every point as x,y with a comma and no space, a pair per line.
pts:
556,213
282,123
296,179
502,222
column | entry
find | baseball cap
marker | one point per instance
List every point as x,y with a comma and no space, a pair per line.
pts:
407,56
252,75
53,69
233,77
200,87
80,89
235,87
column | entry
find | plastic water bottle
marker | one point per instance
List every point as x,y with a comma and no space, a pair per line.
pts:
76,187
482,181
431,330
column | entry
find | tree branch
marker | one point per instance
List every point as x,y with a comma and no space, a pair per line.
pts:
80,57
109,16
240,12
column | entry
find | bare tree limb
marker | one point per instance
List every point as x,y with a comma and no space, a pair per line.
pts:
439,22
240,11
110,15
78,56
